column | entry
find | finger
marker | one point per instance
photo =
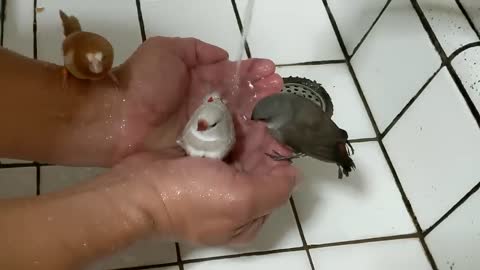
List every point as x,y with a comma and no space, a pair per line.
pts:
270,191
247,233
196,52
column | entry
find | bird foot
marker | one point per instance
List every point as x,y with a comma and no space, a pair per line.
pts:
278,157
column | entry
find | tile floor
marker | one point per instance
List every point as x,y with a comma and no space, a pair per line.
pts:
404,77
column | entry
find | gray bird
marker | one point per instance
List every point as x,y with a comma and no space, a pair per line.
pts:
300,117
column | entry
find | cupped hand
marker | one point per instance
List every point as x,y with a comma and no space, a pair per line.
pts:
165,80
201,201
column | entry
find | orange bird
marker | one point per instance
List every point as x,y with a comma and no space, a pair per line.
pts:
86,55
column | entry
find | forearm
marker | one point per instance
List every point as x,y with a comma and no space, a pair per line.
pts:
42,121
69,229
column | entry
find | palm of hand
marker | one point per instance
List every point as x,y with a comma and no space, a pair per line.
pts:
162,92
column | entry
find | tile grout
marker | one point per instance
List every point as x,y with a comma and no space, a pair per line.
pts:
369,29
458,51
34,29
470,22
313,63
282,250
382,146
300,231
240,26
452,209
410,103
140,20
3,5
179,256
445,60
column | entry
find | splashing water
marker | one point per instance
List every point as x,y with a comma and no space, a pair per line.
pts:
247,21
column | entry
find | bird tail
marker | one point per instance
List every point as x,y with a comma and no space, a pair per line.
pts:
345,163
70,24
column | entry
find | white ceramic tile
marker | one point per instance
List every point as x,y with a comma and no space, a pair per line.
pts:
11,161
279,232
297,260
212,21
354,18
18,182
349,112
150,251
365,205
449,24
467,65
55,178
18,27
473,10
392,255
116,20
454,244
394,62
434,147
291,31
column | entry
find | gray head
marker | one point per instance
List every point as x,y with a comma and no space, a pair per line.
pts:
272,109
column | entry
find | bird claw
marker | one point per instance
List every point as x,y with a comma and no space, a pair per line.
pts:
278,157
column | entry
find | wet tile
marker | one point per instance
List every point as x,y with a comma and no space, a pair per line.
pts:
449,24
18,27
18,182
212,21
392,255
279,232
55,178
434,147
472,7
392,66
369,196
120,27
467,66
150,251
349,112
462,230
291,31
297,260
354,18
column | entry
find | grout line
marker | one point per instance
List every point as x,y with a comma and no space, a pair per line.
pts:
300,231
460,5
445,60
367,240
323,62
240,26
455,207
147,266
38,172
362,140
370,29
462,49
21,165
410,103
34,29
140,20
3,6
350,68
179,256
380,142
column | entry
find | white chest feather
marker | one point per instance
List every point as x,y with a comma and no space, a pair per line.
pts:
210,131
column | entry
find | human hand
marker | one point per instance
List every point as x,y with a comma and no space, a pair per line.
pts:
162,83
203,201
